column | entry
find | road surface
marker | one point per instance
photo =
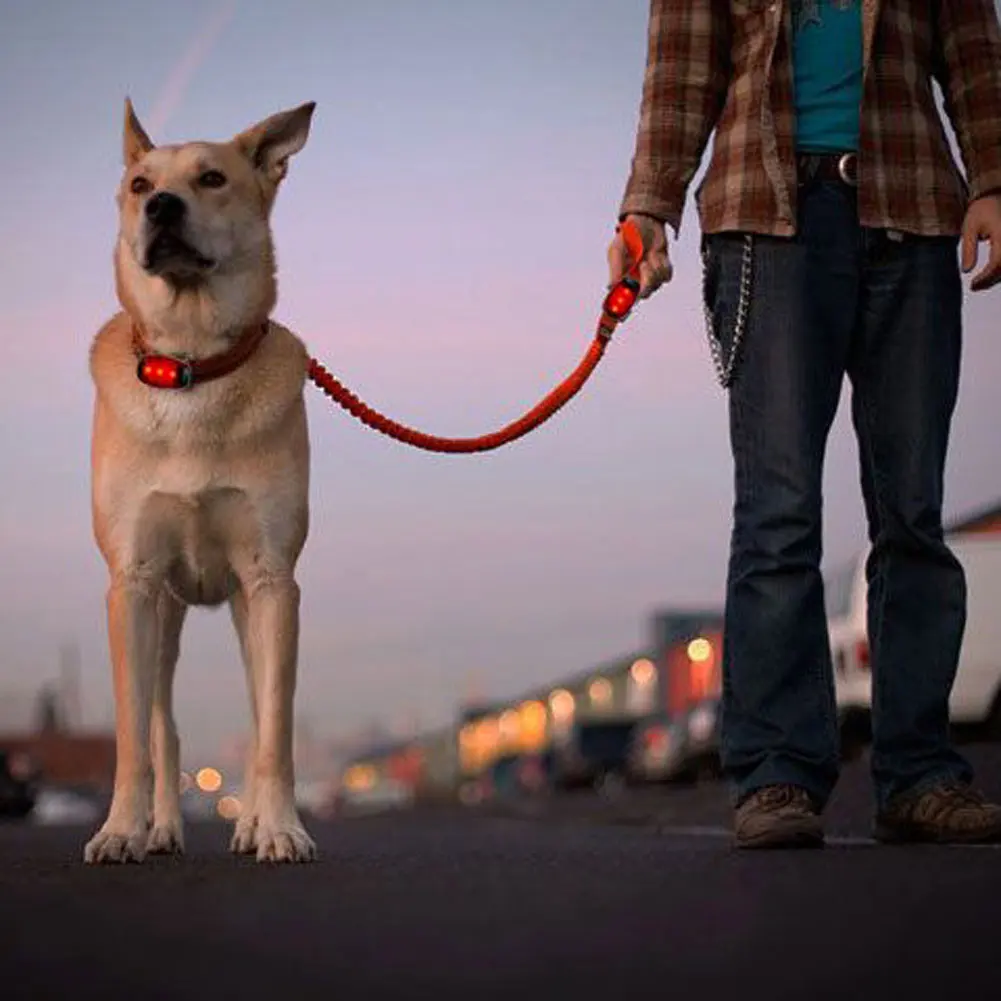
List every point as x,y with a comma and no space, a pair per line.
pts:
442,905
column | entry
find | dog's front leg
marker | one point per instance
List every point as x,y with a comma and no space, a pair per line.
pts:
132,636
273,635
244,840
166,836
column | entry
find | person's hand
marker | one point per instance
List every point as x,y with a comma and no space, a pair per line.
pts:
655,265
983,222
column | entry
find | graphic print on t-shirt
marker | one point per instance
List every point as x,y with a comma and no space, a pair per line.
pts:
807,12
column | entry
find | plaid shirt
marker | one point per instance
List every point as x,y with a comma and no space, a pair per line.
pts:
726,64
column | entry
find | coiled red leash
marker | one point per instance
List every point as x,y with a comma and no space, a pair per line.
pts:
614,310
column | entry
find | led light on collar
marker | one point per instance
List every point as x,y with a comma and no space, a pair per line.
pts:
162,372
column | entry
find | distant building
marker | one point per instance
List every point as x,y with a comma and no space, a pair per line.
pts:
82,760
35,725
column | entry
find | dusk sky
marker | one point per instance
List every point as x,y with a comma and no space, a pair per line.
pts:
441,245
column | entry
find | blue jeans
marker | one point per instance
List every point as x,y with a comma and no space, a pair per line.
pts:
838,299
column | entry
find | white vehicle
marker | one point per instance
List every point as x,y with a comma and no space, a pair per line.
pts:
976,694
386,794
61,806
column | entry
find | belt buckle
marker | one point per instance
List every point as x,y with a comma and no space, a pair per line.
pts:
848,169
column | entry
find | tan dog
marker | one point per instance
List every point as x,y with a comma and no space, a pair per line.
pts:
200,494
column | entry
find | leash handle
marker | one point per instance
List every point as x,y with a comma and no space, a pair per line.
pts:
622,297
634,246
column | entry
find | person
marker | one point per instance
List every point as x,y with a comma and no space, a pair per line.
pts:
831,212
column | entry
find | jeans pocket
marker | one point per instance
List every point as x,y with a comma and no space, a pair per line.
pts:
727,273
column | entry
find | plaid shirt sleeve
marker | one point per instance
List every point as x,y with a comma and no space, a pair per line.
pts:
684,88
969,71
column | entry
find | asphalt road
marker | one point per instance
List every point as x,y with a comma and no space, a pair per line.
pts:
444,905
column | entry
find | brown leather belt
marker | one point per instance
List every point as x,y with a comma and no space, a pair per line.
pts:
840,167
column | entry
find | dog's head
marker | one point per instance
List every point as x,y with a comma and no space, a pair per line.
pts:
201,209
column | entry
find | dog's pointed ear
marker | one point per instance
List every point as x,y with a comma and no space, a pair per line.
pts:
270,144
136,143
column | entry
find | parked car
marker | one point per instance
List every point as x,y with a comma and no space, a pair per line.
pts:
595,756
516,775
679,748
65,805
504,777
656,752
384,795
701,722
976,694
19,781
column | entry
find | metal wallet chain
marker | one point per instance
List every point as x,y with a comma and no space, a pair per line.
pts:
725,370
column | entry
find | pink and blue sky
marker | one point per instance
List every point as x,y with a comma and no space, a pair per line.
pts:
442,249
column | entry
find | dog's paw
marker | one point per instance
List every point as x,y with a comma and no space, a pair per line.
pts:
244,840
166,839
110,845
287,842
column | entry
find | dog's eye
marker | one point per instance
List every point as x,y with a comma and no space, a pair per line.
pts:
212,179
140,185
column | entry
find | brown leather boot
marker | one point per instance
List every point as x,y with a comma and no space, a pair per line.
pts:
949,813
778,816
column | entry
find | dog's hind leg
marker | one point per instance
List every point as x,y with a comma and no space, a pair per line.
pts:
133,638
244,840
166,836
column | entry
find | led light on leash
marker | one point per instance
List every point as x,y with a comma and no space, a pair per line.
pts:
162,372
620,301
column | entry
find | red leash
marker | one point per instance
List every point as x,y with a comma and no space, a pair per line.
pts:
615,309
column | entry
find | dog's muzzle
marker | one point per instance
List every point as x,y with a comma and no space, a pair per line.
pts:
166,248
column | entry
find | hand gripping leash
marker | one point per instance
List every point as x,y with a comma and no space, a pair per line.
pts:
617,306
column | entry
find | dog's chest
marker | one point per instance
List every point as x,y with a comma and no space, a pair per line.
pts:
207,538
185,420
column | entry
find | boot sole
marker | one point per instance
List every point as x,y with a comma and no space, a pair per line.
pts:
804,837
895,836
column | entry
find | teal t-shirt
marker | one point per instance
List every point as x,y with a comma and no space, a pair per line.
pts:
827,68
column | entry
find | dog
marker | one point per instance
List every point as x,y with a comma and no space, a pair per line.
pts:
200,472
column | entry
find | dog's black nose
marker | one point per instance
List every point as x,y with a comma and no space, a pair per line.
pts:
165,209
